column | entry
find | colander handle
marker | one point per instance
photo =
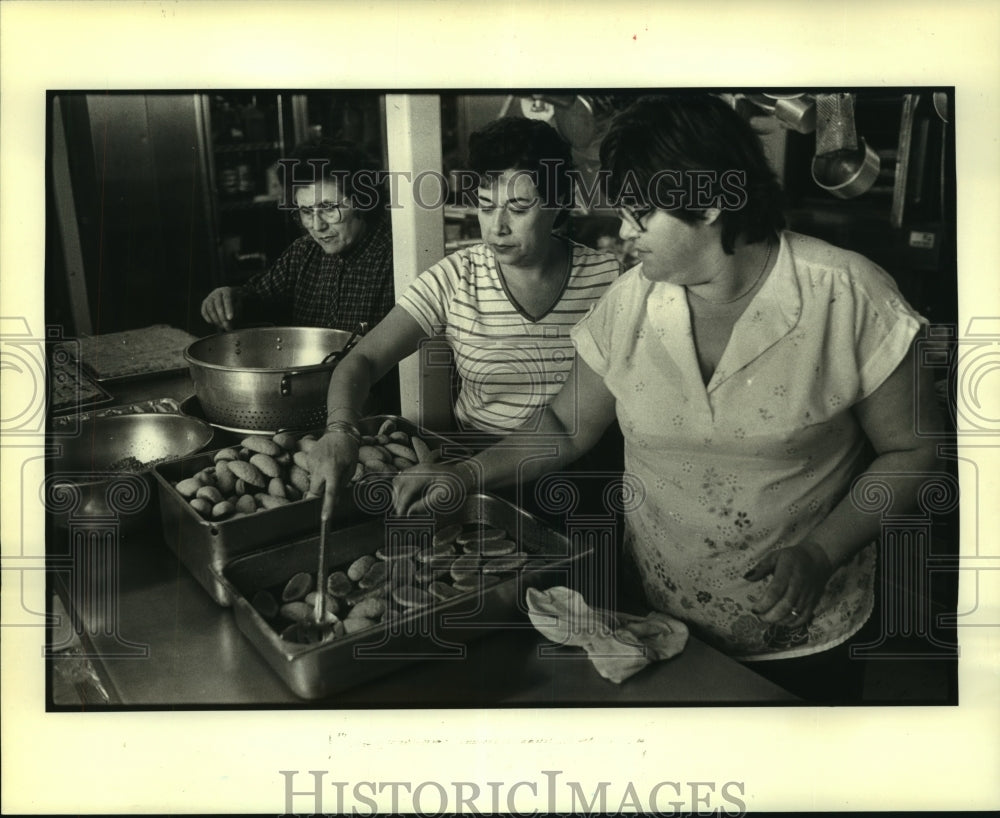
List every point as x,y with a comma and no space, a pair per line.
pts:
337,354
285,385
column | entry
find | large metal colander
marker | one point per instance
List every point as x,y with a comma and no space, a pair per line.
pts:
266,378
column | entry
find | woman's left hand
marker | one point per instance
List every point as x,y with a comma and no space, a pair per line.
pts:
800,574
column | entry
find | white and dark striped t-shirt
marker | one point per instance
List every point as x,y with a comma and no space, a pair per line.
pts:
509,364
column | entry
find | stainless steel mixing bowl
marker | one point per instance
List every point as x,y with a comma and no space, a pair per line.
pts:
102,470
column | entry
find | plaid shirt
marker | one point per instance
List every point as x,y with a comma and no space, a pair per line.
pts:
336,291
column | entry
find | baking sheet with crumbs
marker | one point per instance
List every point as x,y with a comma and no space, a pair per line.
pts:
154,350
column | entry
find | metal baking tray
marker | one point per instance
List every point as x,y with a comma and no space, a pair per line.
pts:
154,406
433,633
132,355
204,546
71,390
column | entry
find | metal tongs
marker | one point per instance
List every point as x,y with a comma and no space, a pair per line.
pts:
313,631
320,610
337,354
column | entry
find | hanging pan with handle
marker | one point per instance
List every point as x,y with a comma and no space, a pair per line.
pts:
845,164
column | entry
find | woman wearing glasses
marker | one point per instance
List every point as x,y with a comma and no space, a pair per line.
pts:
505,305
755,374
339,273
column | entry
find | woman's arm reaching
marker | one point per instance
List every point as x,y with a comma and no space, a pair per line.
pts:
335,456
565,429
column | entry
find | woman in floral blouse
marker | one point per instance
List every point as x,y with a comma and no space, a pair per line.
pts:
756,373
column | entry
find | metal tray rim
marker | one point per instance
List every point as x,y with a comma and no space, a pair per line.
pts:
129,377
304,503
291,652
193,515
201,544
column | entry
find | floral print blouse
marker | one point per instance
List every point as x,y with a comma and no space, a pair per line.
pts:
756,459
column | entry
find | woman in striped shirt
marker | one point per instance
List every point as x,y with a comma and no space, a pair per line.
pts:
505,306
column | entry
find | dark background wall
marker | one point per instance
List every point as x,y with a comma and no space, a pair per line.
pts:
139,191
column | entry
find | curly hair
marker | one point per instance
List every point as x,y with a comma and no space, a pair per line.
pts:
514,143
684,153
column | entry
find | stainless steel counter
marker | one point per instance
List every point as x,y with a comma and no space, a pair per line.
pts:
174,647
163,642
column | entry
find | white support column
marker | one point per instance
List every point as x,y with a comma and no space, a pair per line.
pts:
413,137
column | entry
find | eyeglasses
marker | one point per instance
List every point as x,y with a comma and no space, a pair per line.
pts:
633,216
329,212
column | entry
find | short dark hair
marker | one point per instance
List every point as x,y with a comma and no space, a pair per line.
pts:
518,143
357,173
698,139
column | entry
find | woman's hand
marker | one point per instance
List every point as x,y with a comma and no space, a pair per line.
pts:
414,488
800,574
222,306
332,462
